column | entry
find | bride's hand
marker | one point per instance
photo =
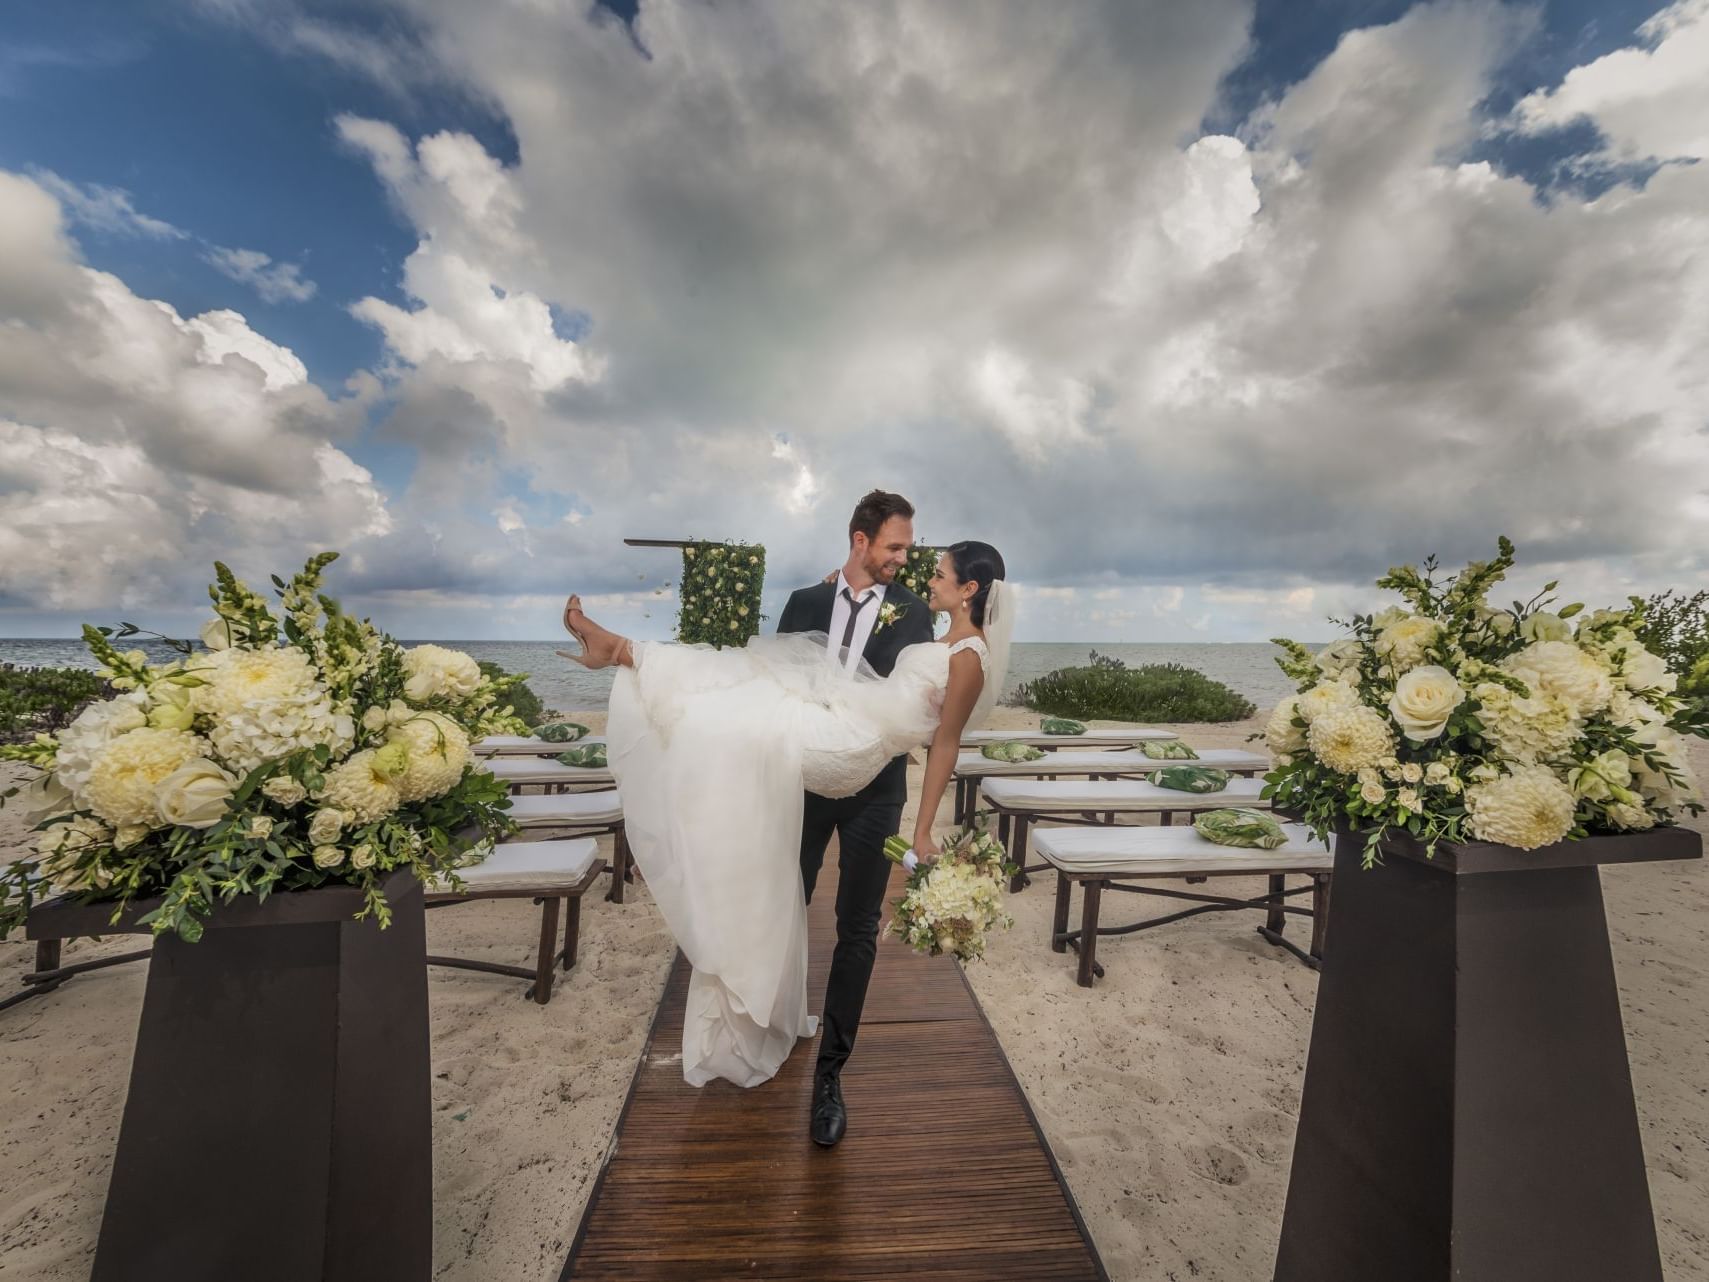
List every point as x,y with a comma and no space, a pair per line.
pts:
924,846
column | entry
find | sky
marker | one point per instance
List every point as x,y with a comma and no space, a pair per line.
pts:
1205,314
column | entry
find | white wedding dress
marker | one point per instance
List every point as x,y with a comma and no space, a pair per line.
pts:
711,750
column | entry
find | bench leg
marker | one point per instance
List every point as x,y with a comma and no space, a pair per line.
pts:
619,865
1003,830
573,929
1018,856
541,991
1276,919
1090,894
1059,920
1319,912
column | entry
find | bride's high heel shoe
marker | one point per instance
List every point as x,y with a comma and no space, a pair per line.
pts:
587,658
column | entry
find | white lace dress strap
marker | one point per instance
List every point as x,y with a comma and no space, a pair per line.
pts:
977,645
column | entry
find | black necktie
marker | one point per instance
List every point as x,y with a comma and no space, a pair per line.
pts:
855,607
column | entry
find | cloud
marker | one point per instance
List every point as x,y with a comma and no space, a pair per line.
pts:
105,209
274,282
1649,101
137,445
985,255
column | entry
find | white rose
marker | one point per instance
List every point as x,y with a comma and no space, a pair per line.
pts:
1408,799
1423,701
195,795
260,826
325,826
328,856
1372,793
374,719
284,789
1412,772
362,856
1437,773
127,835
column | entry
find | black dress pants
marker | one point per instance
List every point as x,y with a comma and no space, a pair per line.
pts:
861,825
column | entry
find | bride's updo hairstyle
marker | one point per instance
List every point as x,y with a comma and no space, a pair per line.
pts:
979,563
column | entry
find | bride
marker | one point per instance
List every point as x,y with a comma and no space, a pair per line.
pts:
711,750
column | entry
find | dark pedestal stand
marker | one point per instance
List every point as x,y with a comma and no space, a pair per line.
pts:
278,1125
1468,1110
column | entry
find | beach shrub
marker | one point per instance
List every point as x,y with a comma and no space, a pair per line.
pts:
721,585
1107,689
33,700
524,703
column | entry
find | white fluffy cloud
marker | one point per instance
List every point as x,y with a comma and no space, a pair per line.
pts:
1650,101
136,445
274,282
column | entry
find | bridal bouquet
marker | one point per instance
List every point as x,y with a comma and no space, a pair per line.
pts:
1457,721
952,901
294,751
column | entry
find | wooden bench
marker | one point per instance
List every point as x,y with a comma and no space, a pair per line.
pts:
554,776
552,873
1112,858
973,768
1020,803
524,745
583,814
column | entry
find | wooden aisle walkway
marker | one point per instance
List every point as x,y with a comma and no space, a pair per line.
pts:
943,1172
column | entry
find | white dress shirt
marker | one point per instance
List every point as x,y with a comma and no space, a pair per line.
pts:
864,623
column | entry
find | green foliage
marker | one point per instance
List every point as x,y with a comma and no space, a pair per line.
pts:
1168,750
1011,751
721,585
916,576
561,732
1109,689
1062,726
1239,826
33,700
585,756
513,689
1676,627
1190,778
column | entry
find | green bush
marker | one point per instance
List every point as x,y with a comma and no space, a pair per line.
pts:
523,701
42,700
1677,628
1109,690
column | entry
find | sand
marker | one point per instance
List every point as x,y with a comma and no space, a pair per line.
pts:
1168,1092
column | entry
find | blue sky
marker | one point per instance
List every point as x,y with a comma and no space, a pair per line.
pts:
220,120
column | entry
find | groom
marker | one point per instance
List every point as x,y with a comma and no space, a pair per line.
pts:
865,614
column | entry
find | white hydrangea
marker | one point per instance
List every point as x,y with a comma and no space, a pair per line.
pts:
1403,641
266,729
1338,657
438,754
360,789
1542,727
1528,808
432,672
1281,735
237,678
81,742
121,787
1347,739
1562,669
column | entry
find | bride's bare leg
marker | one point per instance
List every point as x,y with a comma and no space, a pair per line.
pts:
600,648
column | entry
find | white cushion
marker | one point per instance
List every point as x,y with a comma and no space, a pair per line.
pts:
1174,852
515,770
523,745
976,765
541,866
1123,795
583,809
1106,738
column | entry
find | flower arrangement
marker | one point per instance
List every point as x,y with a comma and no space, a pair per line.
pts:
1459,722
916,576
295,750
721,585
952,901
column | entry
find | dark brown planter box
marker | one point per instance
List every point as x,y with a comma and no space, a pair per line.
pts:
1467,1111
279,1122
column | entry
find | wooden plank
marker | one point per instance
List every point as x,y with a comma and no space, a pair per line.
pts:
943,1173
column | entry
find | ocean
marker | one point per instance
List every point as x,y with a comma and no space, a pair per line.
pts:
1248,668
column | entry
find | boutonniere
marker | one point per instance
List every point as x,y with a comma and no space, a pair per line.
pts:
888,613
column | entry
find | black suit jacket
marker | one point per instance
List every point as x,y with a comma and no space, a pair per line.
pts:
809,610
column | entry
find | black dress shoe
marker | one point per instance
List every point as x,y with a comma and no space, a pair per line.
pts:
830,1119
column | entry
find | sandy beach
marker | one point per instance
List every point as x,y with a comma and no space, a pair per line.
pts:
1168,1092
